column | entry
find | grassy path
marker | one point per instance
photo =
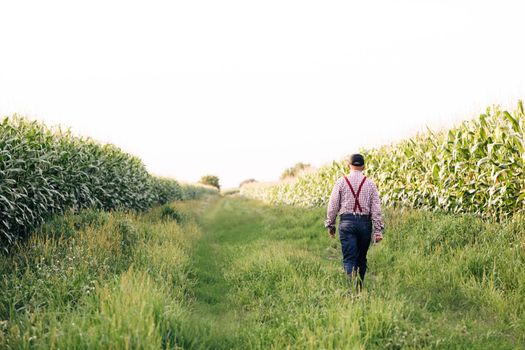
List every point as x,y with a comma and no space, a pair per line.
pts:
269,277
240,243
233,273
227,229
224,229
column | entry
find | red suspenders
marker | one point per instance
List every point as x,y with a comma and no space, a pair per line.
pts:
357,205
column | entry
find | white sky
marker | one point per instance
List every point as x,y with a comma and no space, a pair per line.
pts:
245,89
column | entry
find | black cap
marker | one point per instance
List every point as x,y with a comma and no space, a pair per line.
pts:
357,159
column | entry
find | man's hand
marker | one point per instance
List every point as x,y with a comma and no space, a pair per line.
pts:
378,236
331,232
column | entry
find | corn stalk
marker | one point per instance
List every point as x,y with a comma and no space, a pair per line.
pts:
477,167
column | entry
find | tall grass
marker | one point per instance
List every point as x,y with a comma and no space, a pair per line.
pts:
233,273
45,171
98,280
476,167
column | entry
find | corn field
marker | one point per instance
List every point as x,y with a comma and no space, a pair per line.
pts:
476,167
46,171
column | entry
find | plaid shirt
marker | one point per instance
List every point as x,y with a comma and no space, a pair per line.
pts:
342,200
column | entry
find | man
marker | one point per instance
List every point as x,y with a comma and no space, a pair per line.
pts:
356,199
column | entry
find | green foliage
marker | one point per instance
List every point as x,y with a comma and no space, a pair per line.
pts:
210,180
252,276
44,172
294,171
196,191
477,167
65,225
169,213
117,282
166,190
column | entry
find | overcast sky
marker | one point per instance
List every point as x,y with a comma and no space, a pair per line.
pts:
244,89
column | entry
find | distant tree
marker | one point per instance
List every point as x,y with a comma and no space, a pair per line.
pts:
293,171
245,182
211,180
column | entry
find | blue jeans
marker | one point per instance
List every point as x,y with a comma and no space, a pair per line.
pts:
355,233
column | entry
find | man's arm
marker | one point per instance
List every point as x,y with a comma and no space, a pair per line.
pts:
333,207
377,220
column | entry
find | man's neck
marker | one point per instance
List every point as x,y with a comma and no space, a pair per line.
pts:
356,170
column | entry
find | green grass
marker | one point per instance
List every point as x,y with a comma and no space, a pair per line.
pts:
228,272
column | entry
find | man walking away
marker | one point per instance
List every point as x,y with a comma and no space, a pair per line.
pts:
356,199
